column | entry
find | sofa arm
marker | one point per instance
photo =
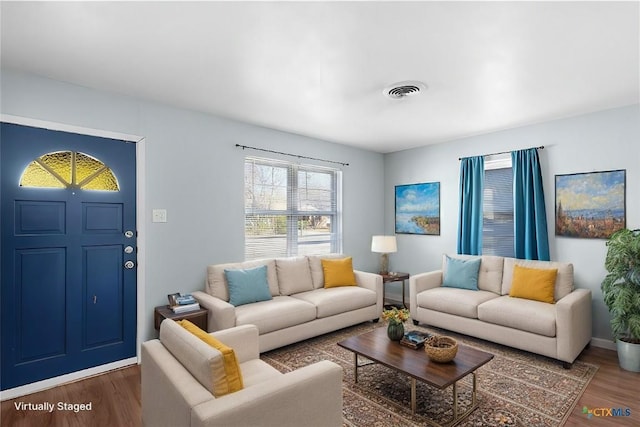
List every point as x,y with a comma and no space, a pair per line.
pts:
368,280
573,324
243,339
222,315
422,282
308,396
373,282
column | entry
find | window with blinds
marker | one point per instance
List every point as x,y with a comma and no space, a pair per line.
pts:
290,209
497,224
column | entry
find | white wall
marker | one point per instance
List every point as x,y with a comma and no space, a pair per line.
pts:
599,141
194,170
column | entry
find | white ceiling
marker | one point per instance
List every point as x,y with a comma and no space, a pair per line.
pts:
319,69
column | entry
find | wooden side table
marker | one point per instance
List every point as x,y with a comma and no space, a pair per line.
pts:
395,277
199,317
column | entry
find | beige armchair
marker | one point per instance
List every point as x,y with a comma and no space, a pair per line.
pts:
175,367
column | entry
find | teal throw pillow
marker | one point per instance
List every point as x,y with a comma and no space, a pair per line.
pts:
247,286
462,273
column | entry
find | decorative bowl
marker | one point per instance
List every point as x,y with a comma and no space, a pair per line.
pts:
441,349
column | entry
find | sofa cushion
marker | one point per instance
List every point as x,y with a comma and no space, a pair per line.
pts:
217,283
523,314
338,272
256,371
460,302
564,278
202,361
461,273
533,283
489,273
294,275
279,313
332,301
315,264
248,285
232,380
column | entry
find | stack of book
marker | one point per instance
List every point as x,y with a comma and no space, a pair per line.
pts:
185,303
414,339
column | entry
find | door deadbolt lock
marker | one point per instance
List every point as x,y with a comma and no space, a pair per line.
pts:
128,234
128,250
129,265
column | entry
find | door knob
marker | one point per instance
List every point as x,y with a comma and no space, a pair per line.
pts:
129,265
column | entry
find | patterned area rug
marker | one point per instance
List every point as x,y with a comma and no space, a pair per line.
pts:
516,388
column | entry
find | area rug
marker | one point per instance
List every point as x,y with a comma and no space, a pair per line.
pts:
515,389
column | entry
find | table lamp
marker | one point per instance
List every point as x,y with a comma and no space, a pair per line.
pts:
384,245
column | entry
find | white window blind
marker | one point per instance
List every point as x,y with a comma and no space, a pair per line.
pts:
497,224
290,209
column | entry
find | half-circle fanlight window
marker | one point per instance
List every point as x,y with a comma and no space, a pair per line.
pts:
69,169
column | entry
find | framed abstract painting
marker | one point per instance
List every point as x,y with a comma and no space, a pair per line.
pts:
590,205
418,208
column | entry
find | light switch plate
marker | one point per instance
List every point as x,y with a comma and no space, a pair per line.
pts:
159,215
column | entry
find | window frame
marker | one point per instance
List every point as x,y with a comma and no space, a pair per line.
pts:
292,212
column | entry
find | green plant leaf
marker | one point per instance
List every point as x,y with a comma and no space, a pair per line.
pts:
621,286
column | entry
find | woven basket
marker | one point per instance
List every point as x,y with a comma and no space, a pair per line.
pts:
441,349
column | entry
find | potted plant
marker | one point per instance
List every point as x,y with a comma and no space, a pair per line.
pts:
621,292
396,318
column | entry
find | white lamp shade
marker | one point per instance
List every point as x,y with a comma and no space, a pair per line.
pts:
384,244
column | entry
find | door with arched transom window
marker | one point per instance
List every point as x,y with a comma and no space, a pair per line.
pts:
68,256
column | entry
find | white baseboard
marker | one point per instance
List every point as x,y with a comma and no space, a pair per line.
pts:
23,390
602,343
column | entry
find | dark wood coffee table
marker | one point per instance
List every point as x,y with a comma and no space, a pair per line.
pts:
377,347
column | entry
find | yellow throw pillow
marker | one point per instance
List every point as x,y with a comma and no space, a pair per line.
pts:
232,381
338,272
533,283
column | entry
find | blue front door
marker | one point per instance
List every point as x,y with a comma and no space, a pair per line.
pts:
68,253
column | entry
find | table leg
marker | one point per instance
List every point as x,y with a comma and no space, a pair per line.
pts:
404,304
413,395
355,366
455,401
473,394
457,416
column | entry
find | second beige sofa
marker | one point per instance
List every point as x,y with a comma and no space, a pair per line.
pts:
560,330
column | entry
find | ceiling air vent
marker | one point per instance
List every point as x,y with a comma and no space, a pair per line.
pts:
403,89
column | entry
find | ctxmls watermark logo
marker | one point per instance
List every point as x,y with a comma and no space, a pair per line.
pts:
606,412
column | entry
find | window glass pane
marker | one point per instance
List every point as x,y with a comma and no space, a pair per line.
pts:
265,236
36,176
265,187
497,225
60,163
315,191
314,234
104,181
86,166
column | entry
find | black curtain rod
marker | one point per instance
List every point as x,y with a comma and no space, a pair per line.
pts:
292,155
503,152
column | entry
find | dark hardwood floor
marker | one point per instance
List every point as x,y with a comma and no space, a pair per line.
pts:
115,398
612,387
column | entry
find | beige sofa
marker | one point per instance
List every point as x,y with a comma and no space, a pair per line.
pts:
177,382
300,307
560,330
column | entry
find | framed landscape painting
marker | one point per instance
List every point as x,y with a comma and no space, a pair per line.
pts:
418,208
590,205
